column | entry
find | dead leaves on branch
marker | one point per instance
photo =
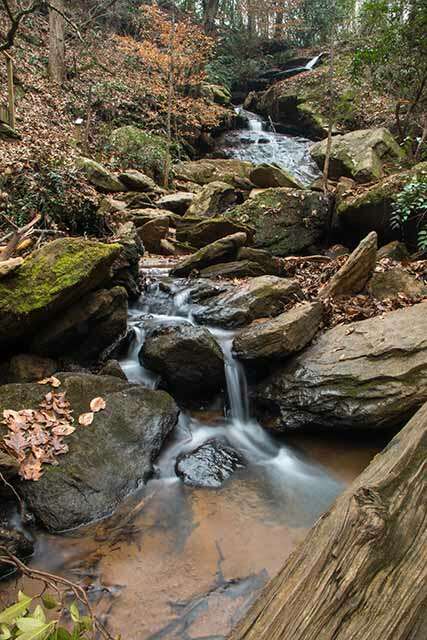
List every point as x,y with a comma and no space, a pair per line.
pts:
36,436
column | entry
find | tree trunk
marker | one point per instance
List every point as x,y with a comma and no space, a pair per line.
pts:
56,42
210,10
278,25
361,573
331,114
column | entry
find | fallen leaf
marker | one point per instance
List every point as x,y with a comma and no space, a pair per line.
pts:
97,404
85,419
63,430
54,382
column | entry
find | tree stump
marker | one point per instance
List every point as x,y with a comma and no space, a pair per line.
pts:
361,573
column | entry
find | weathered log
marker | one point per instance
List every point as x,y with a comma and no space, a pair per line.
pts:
361,572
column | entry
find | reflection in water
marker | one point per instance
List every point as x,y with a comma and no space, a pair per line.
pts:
182,563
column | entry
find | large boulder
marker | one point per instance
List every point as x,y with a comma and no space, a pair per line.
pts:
134,146
214,253
210,465
188,359
29,367
280,337
204,232
262,297
365,375
359,154
50,280
99,176
395,282
233,172
153,231
136,181
369,209
271,266
355,272
266,176
213,199
90,326
125,269
106,460
236,269
177,202
286,221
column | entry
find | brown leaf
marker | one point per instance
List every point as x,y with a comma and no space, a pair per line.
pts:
85,419
54,382
31,469
63,430
97,404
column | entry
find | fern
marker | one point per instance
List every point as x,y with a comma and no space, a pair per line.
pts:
410,208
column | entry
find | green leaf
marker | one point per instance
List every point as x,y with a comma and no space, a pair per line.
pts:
74,613
61,634
38,631
9,615
5,633
86,623
39,614
49,601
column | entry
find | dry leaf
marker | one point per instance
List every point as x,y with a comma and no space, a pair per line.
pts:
63,430
97,404
85,419
54,382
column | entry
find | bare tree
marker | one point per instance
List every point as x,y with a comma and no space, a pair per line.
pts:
56,41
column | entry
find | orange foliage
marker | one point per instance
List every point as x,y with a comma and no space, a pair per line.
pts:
173,53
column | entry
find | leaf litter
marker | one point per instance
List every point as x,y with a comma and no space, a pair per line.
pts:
36,436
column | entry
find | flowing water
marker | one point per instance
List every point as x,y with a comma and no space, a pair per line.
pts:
183,563
259,142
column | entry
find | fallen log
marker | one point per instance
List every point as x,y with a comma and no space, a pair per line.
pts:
361,572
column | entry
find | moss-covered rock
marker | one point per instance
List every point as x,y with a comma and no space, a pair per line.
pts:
200,233
266,176
213,199
50,280
359,154
99,176
234,172
138,148
286,221
215,93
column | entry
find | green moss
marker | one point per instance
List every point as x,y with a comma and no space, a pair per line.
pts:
135,147
50,271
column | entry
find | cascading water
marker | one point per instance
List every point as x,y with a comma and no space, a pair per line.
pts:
259,143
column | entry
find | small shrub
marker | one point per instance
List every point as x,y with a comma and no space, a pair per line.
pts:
410,208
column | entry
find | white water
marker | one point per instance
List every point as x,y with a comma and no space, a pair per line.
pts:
279,464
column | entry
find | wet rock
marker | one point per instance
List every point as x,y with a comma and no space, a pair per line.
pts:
87,329
286,221
99,176
16,543
365,375
204,232
389,284
152,232
213,199
113,368
28,367
177,202
270,265
280,337
210,465
238,269
214,253
50,280
262,297
125,269
137,181
394,250
359,154
106,461
234,172
188,358
268,175
355,273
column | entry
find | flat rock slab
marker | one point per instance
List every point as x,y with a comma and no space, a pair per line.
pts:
214,253
210,465
106,460
280,337
366,375
262,297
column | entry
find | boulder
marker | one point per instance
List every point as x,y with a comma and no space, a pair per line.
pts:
50,280
394,250
106,460
29,367
280,337
210,465
216,93
141,216
99,176
177,202
233,172
134,146
153,231
355,272
188,359
137,181
286,221
359,154
112,368
125,269
365,375
262,297
395,282
270,265
214,253
201,233
237,269
266,175
89,327
213,199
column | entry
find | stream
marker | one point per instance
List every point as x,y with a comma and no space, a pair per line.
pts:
177,562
